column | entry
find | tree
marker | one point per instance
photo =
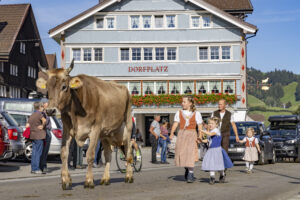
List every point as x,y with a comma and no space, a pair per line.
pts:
276,91
297,93
270,101
297,112
288,105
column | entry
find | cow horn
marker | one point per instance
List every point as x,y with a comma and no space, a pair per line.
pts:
42,68
71,67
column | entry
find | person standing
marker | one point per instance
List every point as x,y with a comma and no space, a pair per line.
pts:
226,122
164,138
186,150
47,141
37,122
79,158
98,155
154,135
72,154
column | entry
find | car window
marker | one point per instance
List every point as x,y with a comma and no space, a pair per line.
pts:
21,119
242,127
57,123
9,119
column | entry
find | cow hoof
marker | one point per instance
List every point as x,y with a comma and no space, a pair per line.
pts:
90,185
129,180
105,182
66,186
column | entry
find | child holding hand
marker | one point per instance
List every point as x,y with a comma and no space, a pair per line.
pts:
252,149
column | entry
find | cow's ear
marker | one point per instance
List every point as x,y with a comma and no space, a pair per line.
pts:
41,83
75,83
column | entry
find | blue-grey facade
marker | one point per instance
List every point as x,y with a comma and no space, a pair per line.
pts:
160,47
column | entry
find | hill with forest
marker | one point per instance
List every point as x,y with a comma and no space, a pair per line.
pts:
282,97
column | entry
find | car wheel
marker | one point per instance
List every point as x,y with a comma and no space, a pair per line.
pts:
273,157
261,160
28,151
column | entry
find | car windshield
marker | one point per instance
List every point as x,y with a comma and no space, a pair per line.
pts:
21,119
9,119
57,123
242,127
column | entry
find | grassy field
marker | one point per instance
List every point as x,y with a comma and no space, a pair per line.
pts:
289,96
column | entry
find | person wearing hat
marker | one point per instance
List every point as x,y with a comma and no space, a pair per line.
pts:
47,141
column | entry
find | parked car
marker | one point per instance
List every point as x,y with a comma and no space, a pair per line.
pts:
14,133
285,132
236,150
5,150
20,110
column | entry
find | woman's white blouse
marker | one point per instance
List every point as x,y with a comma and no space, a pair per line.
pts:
187,115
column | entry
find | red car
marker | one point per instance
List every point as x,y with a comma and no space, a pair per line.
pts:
5,151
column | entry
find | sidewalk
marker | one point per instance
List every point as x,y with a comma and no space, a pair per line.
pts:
19,169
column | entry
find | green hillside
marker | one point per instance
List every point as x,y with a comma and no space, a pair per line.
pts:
253,101
289,95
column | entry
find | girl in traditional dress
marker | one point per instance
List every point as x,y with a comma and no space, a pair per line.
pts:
252,146
216,158
186,150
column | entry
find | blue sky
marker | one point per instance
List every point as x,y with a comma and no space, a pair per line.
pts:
276,44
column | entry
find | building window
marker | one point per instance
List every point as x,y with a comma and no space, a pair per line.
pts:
124,54
215,87
87,54
148,88
229,87
159,21
14,92
161,88
98,54
31,72
188,87
136,53
148,54
77,54
100,23
2,91
203,53
135,22
147,21
135,88
160,53
22,48
196,22
206,21
110,22
202,87
171,21
214,53
171,53
1,66
226,52
13,70
123,83
174,87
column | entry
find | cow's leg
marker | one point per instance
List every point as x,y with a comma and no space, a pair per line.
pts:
129,159
107,153
90,156
65,175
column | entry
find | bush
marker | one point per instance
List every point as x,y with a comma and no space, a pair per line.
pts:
288,105
297,112
258,108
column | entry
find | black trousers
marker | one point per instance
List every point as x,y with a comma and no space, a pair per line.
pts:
225,142
153,142
43,160
72,153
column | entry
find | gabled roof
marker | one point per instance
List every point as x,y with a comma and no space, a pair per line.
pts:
52,62
213,6
14,15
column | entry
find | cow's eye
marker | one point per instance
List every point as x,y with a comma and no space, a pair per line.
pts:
63,87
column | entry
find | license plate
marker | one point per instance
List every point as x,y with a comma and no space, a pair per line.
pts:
240,149
232,149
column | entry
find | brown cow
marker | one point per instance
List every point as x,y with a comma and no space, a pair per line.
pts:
90,108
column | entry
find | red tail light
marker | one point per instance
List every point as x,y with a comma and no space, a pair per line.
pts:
57,133
12,134
1,135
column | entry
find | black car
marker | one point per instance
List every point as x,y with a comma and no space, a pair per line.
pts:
285,132
236,150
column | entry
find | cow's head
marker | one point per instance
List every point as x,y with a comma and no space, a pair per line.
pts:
58,85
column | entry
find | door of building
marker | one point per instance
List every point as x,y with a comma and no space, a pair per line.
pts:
148,121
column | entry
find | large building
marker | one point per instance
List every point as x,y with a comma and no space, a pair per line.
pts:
20,50
163,49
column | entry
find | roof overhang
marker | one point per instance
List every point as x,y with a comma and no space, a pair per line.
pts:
247,28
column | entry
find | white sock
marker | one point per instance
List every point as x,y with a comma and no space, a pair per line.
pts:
191,170
247,165
251,165
222,173
212,173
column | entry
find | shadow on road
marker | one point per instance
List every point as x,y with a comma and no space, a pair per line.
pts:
177,178
52,169
8,168
97,182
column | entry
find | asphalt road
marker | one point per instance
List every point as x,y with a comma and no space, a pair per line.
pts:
161,182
